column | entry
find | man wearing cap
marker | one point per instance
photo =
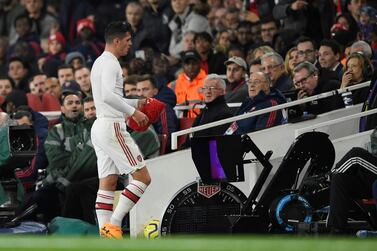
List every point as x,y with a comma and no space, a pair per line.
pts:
56,47
186,86
86,43
76,59
236,88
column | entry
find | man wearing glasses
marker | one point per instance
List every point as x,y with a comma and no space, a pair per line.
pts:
308,83
273,66
261,96
306,50
216,107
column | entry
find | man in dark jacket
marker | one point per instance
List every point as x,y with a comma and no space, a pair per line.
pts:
273,66
168,122
71,159
236,88
210,61
307,80
261,96
216,107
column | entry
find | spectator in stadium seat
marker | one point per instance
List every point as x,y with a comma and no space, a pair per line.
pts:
155,16
261,96
70,11
6,87
269,29
185,19
364,48
53,87
37,84
76,59
353,7
309,83
236,88
161,70
309,18
291,60
134,15
86,43
210,61
273,66
219,22
244,36
222,41
56,47
18,71
329,57
43,22
358,69
89,108
129,86
236,51
23,26
65,74
82,77
186,85
255,66
215,106
147,88
307,51
231,20
259,52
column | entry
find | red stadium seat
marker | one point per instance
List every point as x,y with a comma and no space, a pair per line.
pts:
184,123
50,103
34,102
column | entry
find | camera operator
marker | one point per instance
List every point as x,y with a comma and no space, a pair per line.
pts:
26,116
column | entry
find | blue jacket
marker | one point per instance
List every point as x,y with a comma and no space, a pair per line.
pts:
261,101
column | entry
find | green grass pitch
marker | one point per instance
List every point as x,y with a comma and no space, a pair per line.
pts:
194,243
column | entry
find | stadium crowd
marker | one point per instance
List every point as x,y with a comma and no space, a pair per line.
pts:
259,53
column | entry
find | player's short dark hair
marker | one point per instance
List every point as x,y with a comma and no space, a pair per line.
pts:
117,29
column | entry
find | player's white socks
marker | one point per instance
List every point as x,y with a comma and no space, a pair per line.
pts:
104,206
129,197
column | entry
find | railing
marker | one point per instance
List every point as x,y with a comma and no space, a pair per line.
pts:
175,135
334,121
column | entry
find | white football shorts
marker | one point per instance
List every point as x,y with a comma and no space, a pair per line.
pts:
117,152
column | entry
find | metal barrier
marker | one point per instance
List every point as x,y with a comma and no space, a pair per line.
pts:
334,121
175,135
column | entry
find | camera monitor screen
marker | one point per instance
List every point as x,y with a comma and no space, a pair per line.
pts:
218,158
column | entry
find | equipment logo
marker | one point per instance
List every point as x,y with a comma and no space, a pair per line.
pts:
139,158
208,190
